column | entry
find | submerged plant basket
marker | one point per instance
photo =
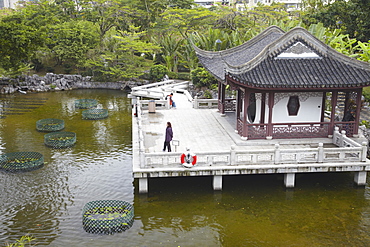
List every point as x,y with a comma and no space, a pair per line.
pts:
21,161
94,114
107,216
86,103
50,125
62,139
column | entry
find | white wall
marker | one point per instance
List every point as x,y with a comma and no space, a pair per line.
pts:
309,110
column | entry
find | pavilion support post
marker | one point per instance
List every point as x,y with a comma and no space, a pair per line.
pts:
217,182
346,102
263,108
334,98
245,116
238,109
360,178
271,106
221,97
289,179
143,185
358,110
322,119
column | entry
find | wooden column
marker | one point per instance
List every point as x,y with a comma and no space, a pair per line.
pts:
322,119
238,105
263,108
334,98
245,116
271,106
358,111
221,97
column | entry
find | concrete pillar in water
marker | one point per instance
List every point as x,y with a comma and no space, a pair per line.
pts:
360,178
289,180
143,185
217,182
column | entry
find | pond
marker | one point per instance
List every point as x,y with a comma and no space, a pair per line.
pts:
252,210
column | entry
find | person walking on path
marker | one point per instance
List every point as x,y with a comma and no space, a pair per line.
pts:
172,103
168,138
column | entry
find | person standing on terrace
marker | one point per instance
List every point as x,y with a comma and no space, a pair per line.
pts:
168,138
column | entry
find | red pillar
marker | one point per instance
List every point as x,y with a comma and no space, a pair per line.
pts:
271,106
245,120
322,119
358,111
263,108
334,96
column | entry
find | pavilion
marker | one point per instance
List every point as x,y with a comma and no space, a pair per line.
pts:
285,83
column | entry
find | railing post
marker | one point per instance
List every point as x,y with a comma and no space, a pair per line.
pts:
142,158
364,151
342,136
277,154
232,155
196,102
320,157
209,160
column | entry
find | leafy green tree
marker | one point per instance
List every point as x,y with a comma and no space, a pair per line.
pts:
352,16
126,59
18,43
187,55
72,40
170,46
185,21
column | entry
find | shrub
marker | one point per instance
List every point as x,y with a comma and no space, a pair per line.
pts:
157,72
202,78
366,93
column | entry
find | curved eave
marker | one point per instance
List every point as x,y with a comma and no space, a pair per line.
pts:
289,38
232,80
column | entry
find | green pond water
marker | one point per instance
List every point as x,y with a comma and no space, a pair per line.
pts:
252,210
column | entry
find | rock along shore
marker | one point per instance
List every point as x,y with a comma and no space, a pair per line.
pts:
57,82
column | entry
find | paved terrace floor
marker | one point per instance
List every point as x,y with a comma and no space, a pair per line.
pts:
205,130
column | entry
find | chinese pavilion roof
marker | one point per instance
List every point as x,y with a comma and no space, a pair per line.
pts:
291,60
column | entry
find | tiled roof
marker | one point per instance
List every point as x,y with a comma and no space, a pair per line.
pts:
303,73
292,60
216,62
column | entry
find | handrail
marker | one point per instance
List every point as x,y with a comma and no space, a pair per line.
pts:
272,156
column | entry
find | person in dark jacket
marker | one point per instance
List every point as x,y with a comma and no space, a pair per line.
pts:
168,138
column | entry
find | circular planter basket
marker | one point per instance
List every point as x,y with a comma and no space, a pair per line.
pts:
61,139
107,216
21,161
50,125
94,114
86,103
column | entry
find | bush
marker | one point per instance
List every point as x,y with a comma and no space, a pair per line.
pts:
172,75
157,72
366,93
184,76
202,78
207,94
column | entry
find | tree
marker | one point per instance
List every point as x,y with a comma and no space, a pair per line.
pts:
72,40
127,57
170,46
18,43
352,17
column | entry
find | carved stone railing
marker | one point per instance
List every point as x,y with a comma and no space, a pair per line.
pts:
159,104
159,90
276,155
205,103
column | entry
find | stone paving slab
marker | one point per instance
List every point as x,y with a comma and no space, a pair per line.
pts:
204,130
